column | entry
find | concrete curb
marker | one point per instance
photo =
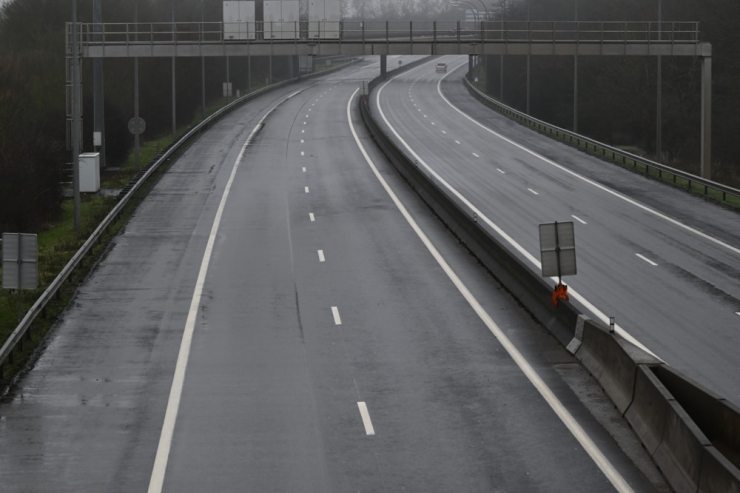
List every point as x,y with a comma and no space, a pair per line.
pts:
668,412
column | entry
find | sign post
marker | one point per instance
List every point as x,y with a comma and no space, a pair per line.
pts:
20,263
558,255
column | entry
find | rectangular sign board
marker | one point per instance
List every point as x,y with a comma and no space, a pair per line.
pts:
20,261
558,249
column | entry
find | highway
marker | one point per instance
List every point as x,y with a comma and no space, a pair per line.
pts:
665,264
283,314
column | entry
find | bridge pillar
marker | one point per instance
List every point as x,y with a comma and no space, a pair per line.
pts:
706,117
383,65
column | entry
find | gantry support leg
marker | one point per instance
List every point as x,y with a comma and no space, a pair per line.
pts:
706,117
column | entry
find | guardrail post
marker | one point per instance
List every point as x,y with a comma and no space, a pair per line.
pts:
706,117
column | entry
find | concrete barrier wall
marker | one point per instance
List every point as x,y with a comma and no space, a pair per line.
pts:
692,434
613,361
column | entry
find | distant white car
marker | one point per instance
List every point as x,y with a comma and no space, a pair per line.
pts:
441,67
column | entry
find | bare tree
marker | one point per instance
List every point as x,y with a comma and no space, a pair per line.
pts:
363,9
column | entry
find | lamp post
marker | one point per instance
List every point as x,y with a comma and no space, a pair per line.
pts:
137,152
75,120
659,116
174,87
202,62
575,79
529,36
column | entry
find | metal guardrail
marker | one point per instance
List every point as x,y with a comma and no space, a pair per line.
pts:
681,179
16,338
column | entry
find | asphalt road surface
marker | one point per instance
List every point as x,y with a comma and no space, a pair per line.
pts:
665,264
298,326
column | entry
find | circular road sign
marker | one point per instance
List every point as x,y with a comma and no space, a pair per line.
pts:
136,125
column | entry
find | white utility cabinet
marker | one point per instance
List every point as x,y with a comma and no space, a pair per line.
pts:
324,18
239,20
90,172
281,19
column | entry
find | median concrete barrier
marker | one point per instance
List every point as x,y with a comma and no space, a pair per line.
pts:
613,361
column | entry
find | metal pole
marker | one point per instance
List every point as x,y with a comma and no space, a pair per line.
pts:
706,117
228,93
98,94
174,87
75,120
529,37
137,147
249,73
20,277
575,79
202,63
659,116
503,13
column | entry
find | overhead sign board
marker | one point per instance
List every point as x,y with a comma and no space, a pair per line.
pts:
558,249
20,261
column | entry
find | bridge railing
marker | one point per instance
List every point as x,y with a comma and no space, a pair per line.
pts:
387,31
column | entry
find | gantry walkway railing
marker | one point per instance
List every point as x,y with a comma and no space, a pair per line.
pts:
389,38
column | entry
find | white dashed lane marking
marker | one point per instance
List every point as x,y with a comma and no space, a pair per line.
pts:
532,191
306,189
321,256
335,312
647,260
579,219
476,155
369,430
311,216
501,171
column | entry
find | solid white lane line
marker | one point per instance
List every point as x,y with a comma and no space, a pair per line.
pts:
532,191
306,189
311,216
501,171
156,481
589,181
335,312
647,260
579,219
321,256
369,430
530,258
565,416
476,155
